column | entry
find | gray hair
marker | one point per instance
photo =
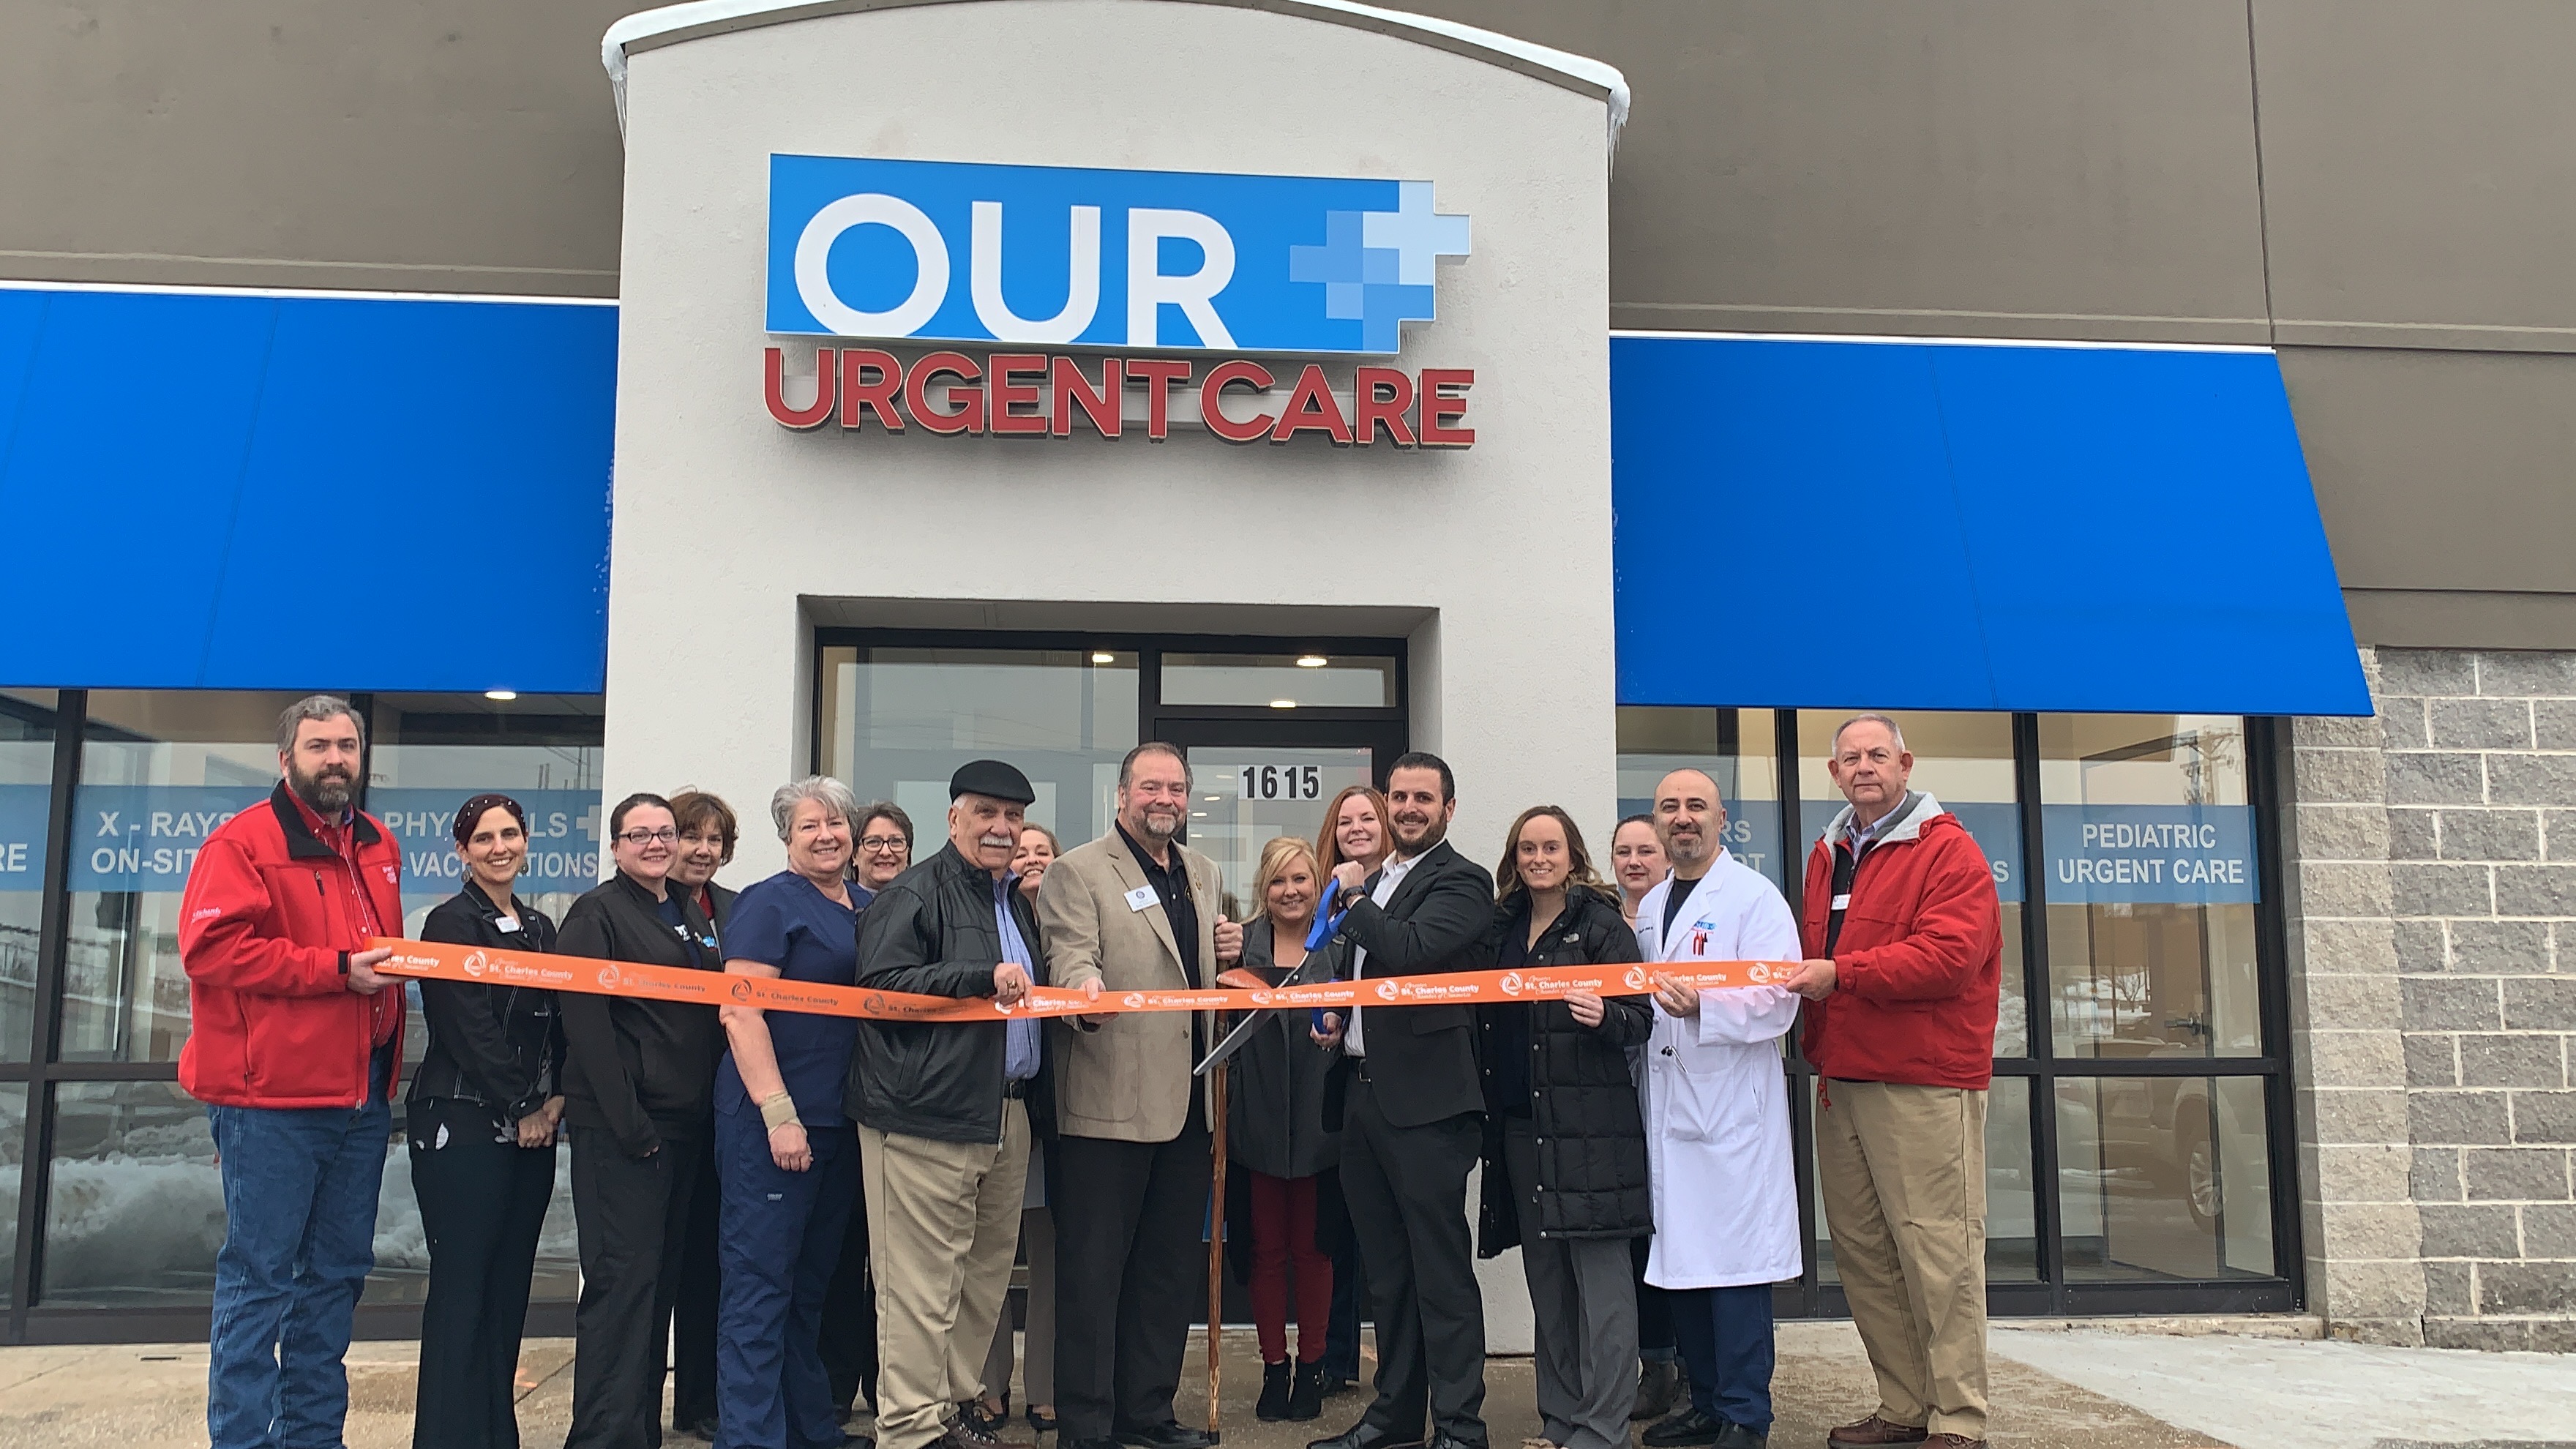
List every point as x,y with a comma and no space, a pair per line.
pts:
1893,732
315,707
836,797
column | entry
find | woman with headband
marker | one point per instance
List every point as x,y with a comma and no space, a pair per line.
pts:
483,1108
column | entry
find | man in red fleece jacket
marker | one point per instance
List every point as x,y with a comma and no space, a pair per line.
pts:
1906,954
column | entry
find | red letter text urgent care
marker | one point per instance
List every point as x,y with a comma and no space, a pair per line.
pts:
951,393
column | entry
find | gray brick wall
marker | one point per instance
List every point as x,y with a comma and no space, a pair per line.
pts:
2456,948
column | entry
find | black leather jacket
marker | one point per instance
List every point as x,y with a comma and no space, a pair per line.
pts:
931,931
500,1047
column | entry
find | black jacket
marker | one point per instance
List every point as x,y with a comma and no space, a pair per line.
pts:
639,1070
931,932
500,1047
1275,1099
1591,1135
1422,1059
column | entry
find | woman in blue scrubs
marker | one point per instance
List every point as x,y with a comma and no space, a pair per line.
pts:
786,1159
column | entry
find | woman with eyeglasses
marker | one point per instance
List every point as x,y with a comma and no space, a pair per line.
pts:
885,846
483,1110
1037,850
786,1156
638,1079
708,833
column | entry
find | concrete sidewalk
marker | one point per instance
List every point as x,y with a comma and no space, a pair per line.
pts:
2078,1389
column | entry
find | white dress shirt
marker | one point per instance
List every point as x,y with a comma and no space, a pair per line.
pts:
1388,879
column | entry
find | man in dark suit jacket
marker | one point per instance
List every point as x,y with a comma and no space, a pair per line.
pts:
1410,1107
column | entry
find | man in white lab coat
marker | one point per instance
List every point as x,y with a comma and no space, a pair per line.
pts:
1717,1121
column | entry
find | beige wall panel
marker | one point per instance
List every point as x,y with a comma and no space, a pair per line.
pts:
445,145
2443,471
2032,168
2419,164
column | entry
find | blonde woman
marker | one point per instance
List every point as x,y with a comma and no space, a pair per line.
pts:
1275,1132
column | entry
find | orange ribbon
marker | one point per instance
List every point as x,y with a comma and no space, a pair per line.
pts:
479,965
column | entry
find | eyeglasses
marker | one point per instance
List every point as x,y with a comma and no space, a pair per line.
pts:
883,842
664,836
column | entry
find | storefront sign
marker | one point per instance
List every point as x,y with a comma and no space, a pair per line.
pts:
145,837
1152,261
1056,255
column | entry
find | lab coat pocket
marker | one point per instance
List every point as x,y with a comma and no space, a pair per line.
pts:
1705,1106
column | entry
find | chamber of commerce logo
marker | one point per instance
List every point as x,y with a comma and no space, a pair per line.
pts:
741,989
608,977
1135,1000
1636,978
474,964
1757,973
1057,255
1511,983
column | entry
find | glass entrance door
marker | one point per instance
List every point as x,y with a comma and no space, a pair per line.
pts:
1245,796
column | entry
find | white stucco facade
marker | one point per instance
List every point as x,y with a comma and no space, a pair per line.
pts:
733,535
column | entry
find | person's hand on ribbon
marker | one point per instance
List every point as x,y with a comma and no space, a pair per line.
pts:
1327,1030
1229,941
1010,983
1091,993
1676,998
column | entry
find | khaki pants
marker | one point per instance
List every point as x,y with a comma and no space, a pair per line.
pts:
943,1221
1902,1170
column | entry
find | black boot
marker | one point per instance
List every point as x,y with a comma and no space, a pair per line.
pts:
1274,1392
1658,1385
1306,1393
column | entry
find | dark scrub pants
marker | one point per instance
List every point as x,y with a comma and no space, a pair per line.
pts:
1725,1337
778,1239
632,1214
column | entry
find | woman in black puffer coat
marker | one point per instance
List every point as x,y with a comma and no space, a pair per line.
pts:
1565,1175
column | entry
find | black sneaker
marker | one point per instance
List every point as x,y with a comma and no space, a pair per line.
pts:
1690,1426
1658,1385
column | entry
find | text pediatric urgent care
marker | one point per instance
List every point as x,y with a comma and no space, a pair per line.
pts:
1034,395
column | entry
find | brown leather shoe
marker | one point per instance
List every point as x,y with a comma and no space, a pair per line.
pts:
1874,1431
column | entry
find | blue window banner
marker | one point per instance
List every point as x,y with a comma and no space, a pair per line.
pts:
22,836
144,838
1074,256
2183,855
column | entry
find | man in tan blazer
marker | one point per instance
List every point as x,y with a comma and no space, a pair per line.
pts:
1132,910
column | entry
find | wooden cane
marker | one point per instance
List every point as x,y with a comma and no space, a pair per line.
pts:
1216,1246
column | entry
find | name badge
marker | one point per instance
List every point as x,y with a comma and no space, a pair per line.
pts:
511,924
1142,899
1843,902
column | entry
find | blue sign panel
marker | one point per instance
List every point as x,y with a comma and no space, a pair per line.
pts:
1055,255
145,837
22,837
2150,854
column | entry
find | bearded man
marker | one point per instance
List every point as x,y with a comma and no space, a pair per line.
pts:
1135,910
293,1049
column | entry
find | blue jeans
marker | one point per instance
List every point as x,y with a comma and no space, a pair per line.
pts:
1725,1341
299,1239
778,1240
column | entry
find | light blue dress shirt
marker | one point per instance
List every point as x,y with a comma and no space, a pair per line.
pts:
1020,1056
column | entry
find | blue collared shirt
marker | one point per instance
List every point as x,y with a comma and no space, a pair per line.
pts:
1020,1055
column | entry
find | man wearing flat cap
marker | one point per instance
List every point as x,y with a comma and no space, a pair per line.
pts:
943,1110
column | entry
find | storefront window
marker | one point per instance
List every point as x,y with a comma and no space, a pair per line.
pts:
1734,747
897,722
13,1173
159,770
433,752
1966,762
2151,886
2164,1178
1280,681
137,1208
26,795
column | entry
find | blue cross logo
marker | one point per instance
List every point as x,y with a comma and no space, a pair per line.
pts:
1377,267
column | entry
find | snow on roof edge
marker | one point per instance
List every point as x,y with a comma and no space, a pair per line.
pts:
694,14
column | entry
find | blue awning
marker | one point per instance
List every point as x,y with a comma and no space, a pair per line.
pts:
1964,526
248,491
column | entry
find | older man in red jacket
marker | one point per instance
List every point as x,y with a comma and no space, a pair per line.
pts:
1906,953
293,1044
